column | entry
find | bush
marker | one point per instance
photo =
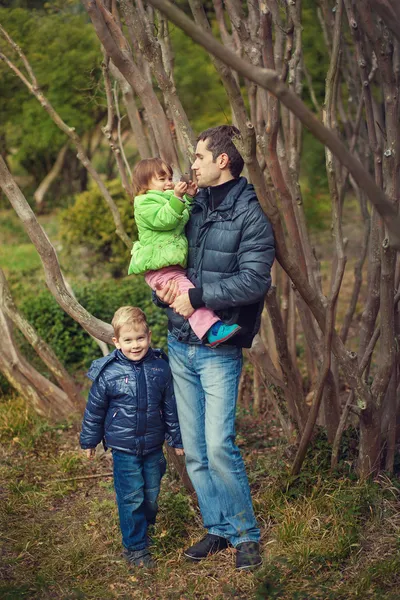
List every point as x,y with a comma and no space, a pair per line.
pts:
89,224
73,346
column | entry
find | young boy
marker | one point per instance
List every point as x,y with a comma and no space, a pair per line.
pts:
131,407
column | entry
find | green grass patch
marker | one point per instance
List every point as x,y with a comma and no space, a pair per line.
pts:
19,258
324,537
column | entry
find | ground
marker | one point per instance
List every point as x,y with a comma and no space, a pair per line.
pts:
323,536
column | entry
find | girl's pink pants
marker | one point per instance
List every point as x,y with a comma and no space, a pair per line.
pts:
202,318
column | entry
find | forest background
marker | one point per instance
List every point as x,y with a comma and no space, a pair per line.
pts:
326,533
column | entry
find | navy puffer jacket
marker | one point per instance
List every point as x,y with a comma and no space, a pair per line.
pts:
231,251
131,405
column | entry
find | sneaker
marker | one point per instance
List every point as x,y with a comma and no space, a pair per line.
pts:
248,556
210,544
220,332
139,558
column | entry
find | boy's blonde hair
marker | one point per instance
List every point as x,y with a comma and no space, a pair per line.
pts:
129,315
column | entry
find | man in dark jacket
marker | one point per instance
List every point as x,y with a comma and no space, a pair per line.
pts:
131,407
231,251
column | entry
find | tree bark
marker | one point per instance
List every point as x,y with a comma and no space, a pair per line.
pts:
44,397
268,79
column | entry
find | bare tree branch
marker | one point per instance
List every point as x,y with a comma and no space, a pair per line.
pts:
48,256
270,80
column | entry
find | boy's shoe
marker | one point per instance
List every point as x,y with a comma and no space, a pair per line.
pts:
209,544
220,332
139,558
248,556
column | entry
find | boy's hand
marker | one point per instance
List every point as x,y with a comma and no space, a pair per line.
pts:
168,293
182,306
192,188
179,451
180,189
90,453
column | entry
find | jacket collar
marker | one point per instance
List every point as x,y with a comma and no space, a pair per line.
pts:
235,202
98,365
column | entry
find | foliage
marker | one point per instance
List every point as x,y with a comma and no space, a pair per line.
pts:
64,53
317,202
316,56
198,84
73,346
89,224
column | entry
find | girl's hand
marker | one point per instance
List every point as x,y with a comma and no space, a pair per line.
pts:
179,451
192,188
180,189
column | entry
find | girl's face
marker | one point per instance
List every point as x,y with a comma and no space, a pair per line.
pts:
161,182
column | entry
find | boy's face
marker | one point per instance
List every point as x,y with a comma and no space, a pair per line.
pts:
133,341
161,183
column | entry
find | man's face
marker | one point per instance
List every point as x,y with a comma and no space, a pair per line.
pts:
133,341
209,172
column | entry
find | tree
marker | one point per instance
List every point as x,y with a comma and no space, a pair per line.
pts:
71,83
261,64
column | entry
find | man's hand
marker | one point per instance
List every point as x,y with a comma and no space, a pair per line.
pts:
168,293
91,453
179,451
182,306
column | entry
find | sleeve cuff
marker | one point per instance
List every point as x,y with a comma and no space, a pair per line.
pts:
196,297
177,205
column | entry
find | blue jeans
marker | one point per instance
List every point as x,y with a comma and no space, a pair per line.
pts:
206,382
137,482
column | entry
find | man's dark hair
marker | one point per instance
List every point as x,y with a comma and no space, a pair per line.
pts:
219,141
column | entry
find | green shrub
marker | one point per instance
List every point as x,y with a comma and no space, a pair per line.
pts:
315,192
88,223
73,346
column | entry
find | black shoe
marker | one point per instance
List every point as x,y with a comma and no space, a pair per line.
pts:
210,544
248,556
139,558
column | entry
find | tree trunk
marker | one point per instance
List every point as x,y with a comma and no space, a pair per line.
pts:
51,176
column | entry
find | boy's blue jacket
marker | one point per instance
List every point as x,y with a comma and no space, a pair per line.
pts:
131,404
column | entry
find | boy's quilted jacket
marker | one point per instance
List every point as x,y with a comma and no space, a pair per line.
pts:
131,404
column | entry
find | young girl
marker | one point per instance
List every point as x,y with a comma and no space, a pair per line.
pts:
161,213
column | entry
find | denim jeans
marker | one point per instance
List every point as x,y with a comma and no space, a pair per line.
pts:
206,382
137,482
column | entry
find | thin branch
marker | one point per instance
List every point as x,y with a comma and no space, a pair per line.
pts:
271,81
77,478
48,256
109,128
70,132
121,145
340,429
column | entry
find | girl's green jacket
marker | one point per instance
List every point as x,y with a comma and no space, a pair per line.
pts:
160,218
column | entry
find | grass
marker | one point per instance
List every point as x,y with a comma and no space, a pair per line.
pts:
323,536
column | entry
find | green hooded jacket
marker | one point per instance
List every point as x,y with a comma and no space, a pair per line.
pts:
160,218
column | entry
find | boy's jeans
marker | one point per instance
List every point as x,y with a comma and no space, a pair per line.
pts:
206,383
137,485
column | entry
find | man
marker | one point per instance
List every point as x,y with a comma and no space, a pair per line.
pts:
231,251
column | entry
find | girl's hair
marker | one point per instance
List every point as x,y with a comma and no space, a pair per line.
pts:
129,315
145,170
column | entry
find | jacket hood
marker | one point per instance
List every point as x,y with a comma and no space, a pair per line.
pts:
98,365
236,200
